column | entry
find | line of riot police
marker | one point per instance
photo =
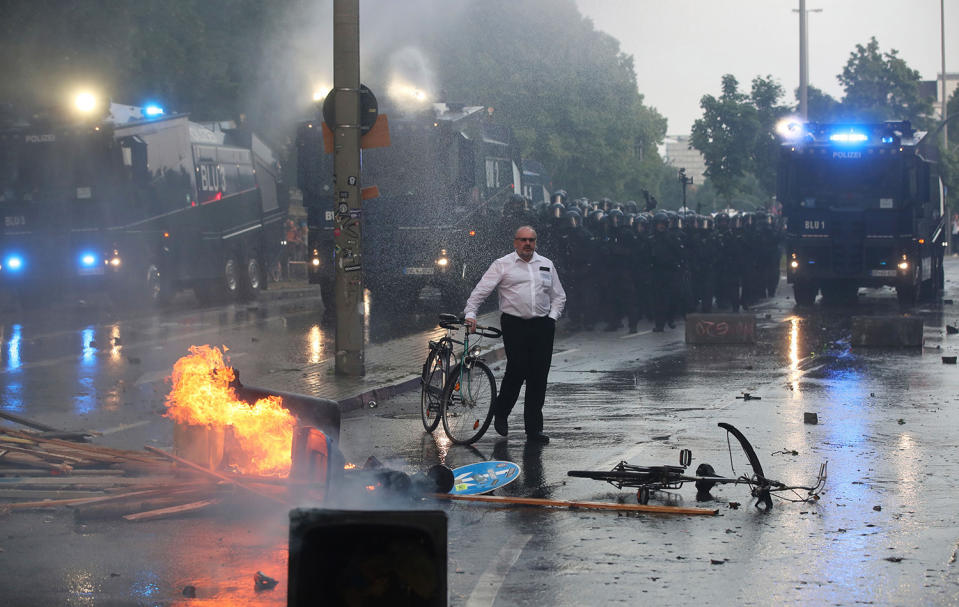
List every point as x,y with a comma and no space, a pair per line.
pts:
619,263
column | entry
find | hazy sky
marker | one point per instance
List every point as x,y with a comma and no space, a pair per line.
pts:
681,48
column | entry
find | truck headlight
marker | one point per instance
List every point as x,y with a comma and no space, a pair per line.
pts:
794,264
903,265
443,260
316,262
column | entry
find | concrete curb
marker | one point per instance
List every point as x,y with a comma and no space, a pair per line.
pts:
289,293
387,391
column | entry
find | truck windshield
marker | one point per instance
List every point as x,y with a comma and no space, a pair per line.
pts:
844,182
31,171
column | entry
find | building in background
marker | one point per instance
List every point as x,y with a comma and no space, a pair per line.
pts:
679,154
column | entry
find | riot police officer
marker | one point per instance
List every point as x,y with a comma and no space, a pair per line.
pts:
666,256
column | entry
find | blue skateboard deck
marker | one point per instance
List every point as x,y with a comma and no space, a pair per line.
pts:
483,477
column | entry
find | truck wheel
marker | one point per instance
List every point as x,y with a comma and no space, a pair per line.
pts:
804,293
252,279
231,278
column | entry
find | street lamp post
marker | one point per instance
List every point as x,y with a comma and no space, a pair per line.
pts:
804,59
685,181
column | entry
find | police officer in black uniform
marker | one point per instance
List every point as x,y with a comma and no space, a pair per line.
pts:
666,257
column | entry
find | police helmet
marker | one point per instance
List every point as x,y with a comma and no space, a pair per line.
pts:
641,224
630,206
595,218
660,218
573,219
722,220
616,219
630,219
606,204
556,210
559,196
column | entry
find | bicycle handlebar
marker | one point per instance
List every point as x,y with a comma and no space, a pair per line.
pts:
453,322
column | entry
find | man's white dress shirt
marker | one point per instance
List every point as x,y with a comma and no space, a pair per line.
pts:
527,289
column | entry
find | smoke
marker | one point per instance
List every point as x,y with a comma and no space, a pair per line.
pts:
396,60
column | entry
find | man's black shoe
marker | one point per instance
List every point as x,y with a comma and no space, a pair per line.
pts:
539,437
501,427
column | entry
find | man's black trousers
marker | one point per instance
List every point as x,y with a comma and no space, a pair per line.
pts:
529,351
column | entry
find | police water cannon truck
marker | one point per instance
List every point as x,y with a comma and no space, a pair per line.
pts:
434,227
863,207
137,202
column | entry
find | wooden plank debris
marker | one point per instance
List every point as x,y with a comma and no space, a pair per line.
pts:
547,503
151,515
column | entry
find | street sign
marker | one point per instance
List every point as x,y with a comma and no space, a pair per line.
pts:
368,109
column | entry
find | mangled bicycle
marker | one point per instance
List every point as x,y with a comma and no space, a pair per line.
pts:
649,479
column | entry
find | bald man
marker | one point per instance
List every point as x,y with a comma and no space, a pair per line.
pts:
531,299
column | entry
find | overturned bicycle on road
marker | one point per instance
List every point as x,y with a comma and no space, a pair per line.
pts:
647,479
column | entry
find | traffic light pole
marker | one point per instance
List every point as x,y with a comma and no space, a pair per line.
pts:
347,201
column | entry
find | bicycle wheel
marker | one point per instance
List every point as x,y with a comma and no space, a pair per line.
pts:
468,400
431,385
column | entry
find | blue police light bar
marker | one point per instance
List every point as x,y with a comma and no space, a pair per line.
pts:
851,137
88,260
153,110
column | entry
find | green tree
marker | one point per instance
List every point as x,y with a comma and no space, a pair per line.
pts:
568,92
881,86
821,106
726,136
765,96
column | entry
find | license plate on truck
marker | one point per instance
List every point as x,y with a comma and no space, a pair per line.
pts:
884,273
418,271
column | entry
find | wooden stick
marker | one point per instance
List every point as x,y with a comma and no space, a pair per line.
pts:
103,452
151,515
15,494
118,508
214,474
47,455
44,473
27,422
80,500
545,503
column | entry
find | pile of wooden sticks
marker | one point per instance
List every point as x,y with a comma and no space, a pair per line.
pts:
39,471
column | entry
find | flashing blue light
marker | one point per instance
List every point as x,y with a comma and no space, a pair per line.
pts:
88,260
153,110
888,139
15,263
851,137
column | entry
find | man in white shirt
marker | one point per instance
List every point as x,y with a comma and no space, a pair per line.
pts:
531,299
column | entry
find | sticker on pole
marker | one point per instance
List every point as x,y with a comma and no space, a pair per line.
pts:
483,477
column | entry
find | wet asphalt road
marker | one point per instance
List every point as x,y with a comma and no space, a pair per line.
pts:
886,427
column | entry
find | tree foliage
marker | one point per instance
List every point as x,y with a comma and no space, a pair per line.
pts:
566,89
881,86
736,137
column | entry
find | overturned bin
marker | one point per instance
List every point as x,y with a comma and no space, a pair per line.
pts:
887,331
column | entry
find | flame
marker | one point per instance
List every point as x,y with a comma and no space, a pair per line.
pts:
349,466
202,395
